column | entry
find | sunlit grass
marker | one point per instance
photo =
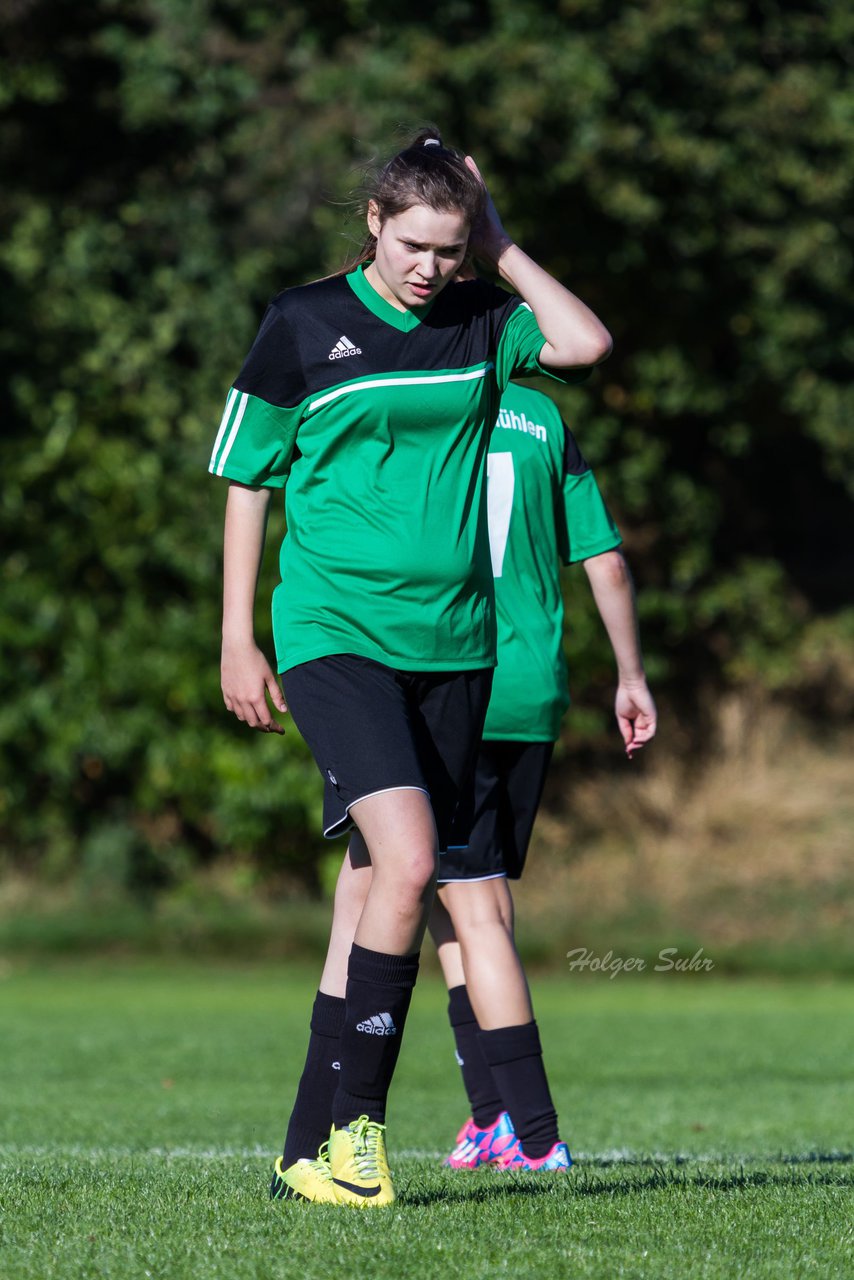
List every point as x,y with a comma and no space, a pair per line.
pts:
143,1105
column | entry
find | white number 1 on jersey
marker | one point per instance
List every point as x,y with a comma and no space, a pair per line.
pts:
501,479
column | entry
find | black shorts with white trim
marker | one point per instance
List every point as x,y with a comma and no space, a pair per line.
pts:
372,728
509,781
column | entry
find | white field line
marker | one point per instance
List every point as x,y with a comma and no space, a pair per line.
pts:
603,1159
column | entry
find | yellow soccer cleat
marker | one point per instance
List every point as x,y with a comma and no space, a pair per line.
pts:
359,1165
305,1180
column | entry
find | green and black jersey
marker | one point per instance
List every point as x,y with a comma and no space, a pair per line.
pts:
376,422
544,508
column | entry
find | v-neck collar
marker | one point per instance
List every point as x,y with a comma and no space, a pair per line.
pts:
406,321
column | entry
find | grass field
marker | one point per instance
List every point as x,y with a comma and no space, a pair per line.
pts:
142,1104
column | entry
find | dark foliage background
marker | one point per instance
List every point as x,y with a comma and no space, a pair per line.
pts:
170,164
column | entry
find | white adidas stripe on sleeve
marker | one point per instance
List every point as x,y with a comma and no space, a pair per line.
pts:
232,435
226,414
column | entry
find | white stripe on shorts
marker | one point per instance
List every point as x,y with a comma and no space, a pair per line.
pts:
494,875
382,791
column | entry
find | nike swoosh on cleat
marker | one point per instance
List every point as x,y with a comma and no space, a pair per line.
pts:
358,1191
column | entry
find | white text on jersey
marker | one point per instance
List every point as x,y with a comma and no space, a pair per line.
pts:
518,422
344,347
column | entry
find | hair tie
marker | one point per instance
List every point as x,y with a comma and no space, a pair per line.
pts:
431,142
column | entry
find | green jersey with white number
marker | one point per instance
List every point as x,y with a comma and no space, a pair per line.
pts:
544,508
376,423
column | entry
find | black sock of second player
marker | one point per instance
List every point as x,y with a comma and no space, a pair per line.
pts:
516,1059
484,1098
311,1118
379,989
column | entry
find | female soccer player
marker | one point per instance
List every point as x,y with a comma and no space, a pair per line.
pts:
369,397
545,509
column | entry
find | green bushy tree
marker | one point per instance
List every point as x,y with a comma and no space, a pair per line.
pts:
171,164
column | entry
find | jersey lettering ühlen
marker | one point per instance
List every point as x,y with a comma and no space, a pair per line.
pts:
381,450
509,420
545,509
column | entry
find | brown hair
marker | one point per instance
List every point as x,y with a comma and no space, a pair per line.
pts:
424,172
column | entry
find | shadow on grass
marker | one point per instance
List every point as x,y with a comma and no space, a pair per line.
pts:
641,1176
649,1162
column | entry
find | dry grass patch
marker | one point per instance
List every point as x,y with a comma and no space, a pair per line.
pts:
751,845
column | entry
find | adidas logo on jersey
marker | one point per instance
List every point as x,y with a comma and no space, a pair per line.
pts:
344,347
379,1025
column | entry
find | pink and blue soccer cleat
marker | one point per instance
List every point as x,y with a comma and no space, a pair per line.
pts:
475,1146
556,1161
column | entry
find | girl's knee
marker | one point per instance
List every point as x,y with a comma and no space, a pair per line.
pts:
411,877
420,871
473,911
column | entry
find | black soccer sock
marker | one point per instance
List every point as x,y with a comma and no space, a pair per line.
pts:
484,1098
379,989
516,1059
311,1118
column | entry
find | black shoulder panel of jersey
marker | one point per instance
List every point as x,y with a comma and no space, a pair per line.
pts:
317,297
574,463
272,370
475,301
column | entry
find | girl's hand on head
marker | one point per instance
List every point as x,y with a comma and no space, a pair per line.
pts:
488,239
247,678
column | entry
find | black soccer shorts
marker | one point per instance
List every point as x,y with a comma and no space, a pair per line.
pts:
509,781
372,728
